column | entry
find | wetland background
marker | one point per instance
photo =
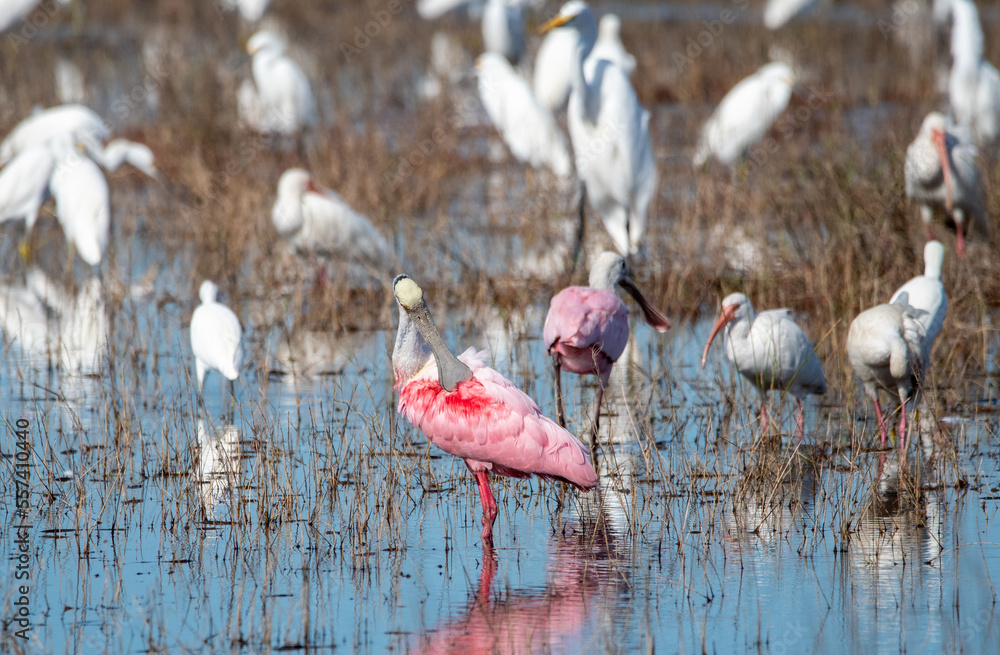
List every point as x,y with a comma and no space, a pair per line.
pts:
304,515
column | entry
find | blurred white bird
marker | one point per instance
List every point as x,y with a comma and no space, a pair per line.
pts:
609,44
926,294
82,205
250,10
216,337
12,11
24,184
556,57
121,151
974,84
779,12
503,29
316,220
942,174
528,128
286,99
610,134
75,123
746,114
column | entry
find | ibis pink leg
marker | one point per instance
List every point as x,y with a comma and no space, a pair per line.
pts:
489,505
881,423
800,419
763,418
960,246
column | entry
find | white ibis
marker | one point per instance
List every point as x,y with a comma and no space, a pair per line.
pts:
771,351
942,174
926,294
884,346
974,83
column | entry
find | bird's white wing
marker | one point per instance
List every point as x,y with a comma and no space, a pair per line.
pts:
742,118
82,206
78,122
23,184
217,338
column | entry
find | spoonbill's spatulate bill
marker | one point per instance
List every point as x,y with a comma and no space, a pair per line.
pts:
771,351
471,411
586,328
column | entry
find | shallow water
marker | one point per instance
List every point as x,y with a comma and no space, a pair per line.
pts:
306,515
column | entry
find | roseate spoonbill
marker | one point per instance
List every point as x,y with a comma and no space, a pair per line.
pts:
503,29
884,346
779,12
469,410
528,128
586,328
941,173
318,221
746,114
609,44
974,84
73,123
609,130
771,351
926,294
286,98
216,337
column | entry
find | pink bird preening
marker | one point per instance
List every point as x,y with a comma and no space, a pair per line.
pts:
586,328
942,174
771,351
469,410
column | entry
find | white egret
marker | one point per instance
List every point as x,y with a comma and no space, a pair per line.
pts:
503,29
216,337
942,174
974,84
609,44
610,134
554,61
316,220
121,151
24,183
746,114
779,12
82,205
250,10
286,98
528,128
70,122
926,294
771,351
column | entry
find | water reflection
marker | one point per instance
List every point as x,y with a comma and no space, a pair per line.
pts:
219,465
585,582
55,327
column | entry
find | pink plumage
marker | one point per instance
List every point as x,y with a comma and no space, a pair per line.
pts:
588,328
493,425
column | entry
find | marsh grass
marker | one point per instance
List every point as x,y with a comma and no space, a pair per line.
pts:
326,478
